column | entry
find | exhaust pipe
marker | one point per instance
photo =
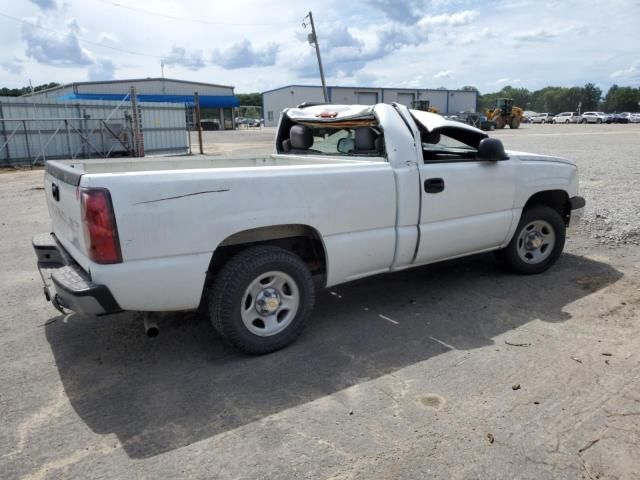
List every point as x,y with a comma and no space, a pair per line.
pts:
150,327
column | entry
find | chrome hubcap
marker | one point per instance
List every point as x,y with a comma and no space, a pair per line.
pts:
267,301
536,241
270,303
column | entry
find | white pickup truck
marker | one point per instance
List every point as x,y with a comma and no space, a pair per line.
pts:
351,191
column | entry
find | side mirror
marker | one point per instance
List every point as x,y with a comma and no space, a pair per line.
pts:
491,150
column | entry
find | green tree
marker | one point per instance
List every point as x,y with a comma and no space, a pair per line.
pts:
591,96
16,92
249,99
622,99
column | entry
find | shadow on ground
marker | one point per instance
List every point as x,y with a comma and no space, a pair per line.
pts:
186,385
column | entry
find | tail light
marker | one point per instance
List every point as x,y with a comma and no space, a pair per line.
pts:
99,224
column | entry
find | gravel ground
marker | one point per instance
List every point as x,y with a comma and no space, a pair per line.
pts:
482,375
608,157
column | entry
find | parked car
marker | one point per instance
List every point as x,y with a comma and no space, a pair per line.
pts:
542,118
593,117
247,122
477,120
210,124
623,117
251,238
566,117
610,117
634,118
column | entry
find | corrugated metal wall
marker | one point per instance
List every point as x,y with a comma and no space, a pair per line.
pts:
33,130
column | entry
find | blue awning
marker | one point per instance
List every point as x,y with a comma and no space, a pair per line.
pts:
206,101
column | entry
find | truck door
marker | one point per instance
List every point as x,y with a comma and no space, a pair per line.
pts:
467,204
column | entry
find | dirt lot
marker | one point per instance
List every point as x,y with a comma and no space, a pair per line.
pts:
482,374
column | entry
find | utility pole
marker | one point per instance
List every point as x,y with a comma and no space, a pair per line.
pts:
313,40
164,91
196,105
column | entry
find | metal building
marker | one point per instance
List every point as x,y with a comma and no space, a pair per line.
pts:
217,102
447,101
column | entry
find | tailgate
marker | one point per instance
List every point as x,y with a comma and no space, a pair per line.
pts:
61,185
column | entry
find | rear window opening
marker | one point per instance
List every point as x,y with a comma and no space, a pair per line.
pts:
357,137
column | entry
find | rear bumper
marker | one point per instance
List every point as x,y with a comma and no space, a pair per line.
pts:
66,284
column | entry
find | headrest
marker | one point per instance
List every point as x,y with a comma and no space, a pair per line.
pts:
431,137
365,138
301,137
379,144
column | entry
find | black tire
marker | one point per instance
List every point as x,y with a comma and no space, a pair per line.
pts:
509,256
227,293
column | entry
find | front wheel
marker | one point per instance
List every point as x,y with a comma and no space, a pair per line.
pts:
261,299
537,242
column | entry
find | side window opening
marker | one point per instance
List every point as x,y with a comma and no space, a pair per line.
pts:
447,145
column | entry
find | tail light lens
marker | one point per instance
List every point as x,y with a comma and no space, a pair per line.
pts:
99,224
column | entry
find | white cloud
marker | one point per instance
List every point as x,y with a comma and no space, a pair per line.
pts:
108,38
628,74
180,56
45,4
103,69
456,19
54,47
443,74
504,81
403,11
14,66
537,35
244,54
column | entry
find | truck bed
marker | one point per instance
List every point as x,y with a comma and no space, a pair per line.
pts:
200,162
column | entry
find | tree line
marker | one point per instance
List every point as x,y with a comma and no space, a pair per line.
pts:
16,92
566,99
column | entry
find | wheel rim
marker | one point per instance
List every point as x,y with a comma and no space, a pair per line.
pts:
270,303
536,241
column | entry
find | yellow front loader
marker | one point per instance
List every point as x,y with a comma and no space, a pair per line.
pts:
505,114
424,105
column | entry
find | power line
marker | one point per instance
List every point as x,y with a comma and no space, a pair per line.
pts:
80,39
193,20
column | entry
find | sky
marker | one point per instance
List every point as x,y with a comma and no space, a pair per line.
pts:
259,45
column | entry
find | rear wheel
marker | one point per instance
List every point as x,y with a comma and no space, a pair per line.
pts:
500,122
584,120
599,120
261,299
515,122
537,243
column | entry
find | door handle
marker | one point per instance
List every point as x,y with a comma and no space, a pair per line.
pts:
55,192
433,185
